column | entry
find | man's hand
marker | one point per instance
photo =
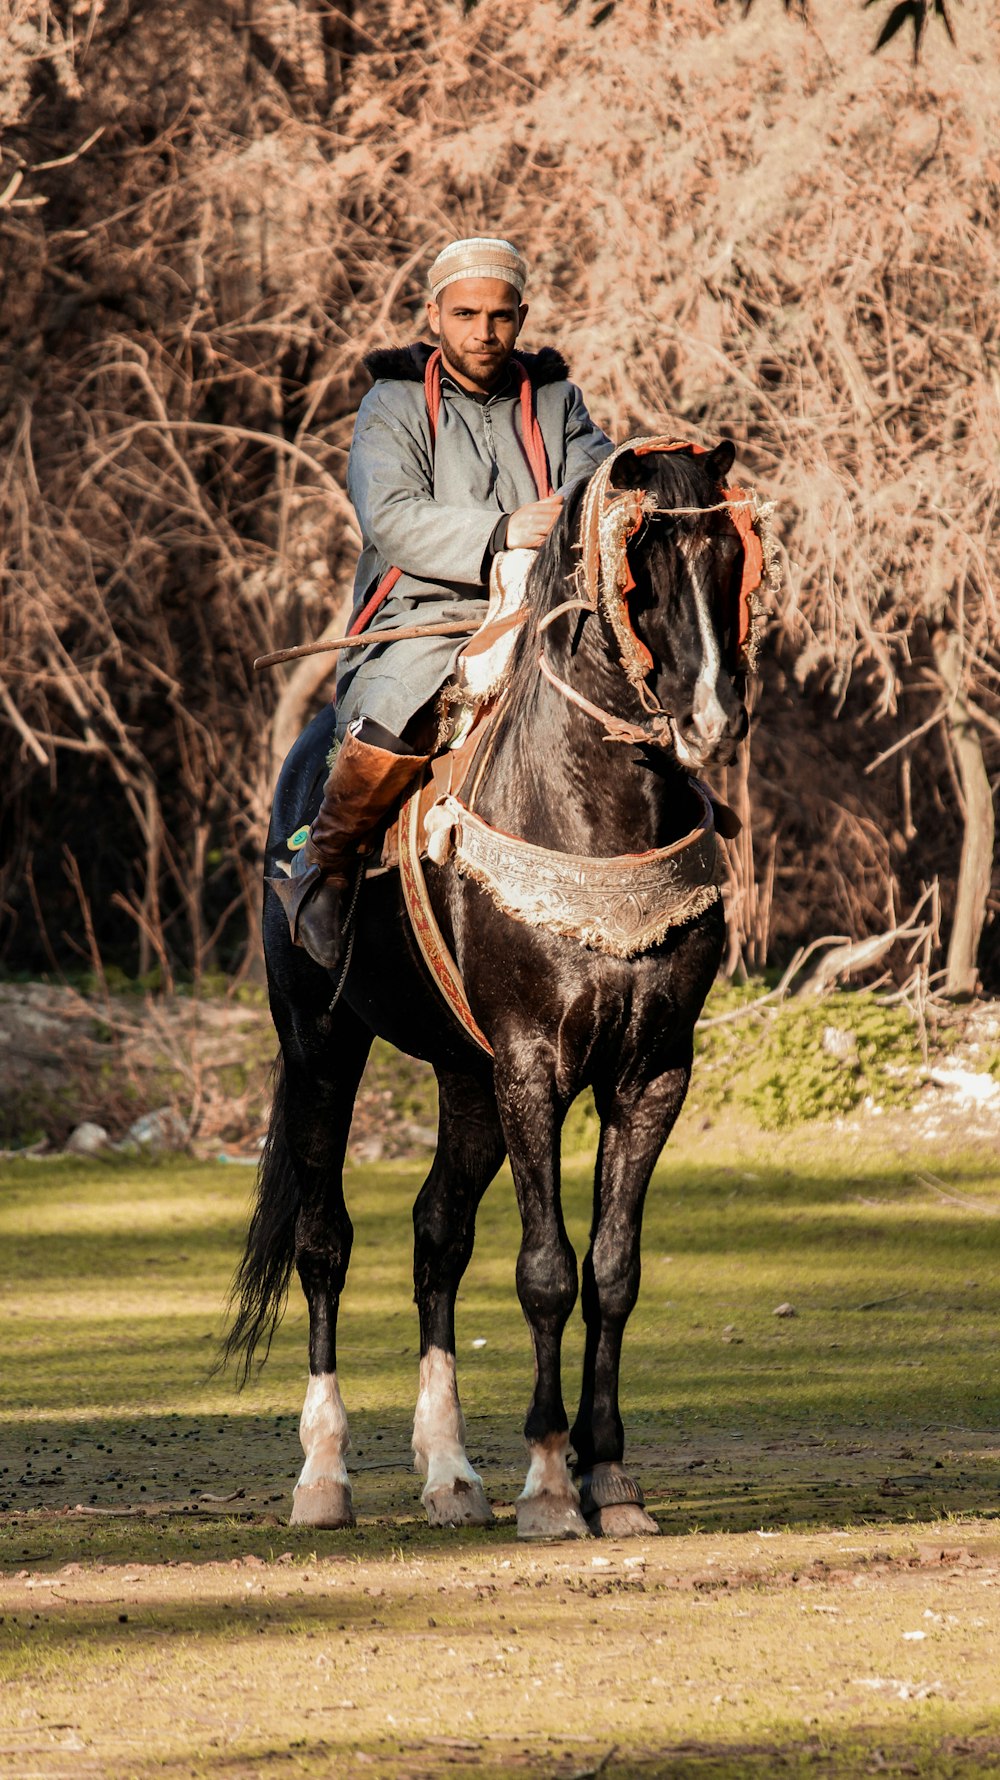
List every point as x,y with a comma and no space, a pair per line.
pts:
530,526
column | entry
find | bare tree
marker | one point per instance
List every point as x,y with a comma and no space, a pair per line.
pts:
736,226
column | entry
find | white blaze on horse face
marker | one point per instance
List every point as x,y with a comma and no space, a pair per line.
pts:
708,713
323,1432
439,1426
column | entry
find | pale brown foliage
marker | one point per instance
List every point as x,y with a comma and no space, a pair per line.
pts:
746,227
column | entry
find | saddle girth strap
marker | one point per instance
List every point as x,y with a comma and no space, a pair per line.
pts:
433,946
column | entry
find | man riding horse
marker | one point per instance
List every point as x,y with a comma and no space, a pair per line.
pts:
457,455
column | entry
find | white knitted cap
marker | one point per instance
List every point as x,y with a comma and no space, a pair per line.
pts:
480,256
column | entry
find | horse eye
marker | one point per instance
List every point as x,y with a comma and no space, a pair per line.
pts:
655,527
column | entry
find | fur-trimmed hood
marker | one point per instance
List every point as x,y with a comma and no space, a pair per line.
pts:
406,364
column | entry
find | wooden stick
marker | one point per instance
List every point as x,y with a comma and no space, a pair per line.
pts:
364,641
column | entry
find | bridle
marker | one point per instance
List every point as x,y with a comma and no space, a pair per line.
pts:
607,524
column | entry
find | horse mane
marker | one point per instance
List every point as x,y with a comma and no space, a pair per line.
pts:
550,581
679,481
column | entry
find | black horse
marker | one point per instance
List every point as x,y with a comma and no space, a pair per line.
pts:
584,761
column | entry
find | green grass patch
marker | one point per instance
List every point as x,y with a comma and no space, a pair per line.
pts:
116,1279
825,1482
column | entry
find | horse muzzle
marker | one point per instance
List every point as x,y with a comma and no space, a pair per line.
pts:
713,729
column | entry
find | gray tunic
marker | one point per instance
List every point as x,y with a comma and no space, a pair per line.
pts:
433,513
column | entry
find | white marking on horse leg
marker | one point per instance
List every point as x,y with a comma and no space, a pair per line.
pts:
323,1492
439,1425
453,1494
548,1471
549,1504
323,1431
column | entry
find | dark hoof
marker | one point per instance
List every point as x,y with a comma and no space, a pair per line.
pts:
613,1505
626,1520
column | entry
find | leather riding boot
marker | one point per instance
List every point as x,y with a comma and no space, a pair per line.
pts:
366,779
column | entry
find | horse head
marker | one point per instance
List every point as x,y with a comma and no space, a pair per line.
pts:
670,544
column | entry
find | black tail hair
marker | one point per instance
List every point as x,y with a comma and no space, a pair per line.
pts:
260,1283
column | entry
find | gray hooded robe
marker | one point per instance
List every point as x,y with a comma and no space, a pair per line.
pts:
434,514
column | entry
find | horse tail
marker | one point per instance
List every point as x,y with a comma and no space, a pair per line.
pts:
260,1284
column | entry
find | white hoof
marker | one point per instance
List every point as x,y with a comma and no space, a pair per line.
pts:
461,1504
322,1505
547,1516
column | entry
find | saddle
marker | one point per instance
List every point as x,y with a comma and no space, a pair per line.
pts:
471,703
471,700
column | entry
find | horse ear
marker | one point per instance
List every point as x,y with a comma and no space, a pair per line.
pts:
719,462
630,471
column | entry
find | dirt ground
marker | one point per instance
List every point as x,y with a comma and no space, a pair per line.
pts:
851,1652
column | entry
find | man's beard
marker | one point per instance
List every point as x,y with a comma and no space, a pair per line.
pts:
483,372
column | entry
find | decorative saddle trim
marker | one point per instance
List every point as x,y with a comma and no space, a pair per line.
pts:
620,906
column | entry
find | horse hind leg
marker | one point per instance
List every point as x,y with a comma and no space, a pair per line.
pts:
317,1120
322,1496
470,1150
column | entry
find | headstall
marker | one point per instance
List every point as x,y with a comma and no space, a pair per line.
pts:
607,524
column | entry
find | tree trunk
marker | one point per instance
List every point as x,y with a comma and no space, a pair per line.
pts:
975,871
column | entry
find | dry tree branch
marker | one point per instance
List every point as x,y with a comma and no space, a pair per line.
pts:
767,275
907,740
27,734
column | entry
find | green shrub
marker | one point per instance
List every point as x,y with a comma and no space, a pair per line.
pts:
784,1065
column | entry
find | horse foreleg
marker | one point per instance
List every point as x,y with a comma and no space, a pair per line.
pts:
470,1150
633,1132
548,1506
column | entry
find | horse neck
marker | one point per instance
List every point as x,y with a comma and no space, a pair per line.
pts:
553,778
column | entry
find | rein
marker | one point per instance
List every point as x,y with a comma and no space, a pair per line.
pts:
616,729
607,524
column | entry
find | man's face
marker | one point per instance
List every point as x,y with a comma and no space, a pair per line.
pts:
477,321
